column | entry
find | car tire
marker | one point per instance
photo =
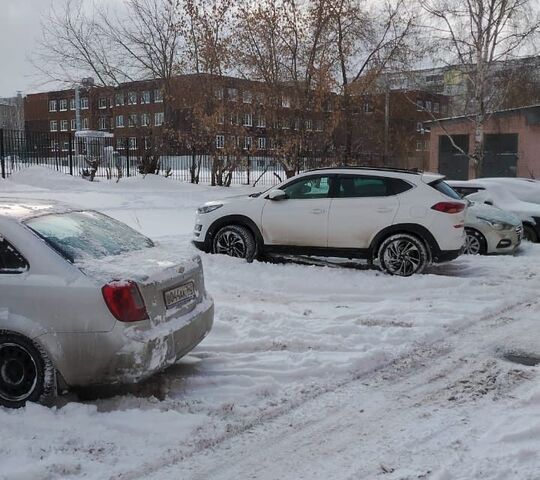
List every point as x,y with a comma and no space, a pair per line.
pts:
26,372
235,241
475,243
403,254
529,234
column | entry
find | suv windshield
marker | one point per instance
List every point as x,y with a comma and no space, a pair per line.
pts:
82,235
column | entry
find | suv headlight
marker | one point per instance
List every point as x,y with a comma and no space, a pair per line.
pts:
209,208
496,225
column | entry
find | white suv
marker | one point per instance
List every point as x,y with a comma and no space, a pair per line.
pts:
403,219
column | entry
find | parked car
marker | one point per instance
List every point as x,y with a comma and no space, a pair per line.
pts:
491,193
85,299
400,218
525,189
489,229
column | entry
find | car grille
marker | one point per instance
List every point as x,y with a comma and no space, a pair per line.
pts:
519,231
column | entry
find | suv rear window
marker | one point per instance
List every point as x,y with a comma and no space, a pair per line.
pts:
83,235
445,189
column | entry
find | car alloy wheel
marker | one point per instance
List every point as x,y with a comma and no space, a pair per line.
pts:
475,243
235,241
18,373
403,255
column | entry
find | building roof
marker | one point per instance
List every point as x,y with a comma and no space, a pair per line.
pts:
494,112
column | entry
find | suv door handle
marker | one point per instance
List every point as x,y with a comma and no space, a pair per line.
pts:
384,210
318,211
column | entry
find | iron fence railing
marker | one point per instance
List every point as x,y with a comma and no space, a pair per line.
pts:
110,157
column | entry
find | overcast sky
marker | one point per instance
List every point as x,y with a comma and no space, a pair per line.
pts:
20,29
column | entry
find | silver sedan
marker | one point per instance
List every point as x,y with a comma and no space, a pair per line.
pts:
489,229
85,299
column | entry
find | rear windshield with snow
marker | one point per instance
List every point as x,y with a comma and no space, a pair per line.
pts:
86,235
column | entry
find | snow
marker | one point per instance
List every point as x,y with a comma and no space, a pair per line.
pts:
303,362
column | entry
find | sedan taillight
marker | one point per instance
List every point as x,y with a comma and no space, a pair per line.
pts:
125,301
449,207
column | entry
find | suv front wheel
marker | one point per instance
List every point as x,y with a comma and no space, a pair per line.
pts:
235,241
402,254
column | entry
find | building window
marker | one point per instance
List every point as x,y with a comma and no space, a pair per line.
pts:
368,108
158,119
65,146
261,121
120,143
54,146
259,98
419,105
102,123
119,121
436,107
132,143
63,105
261,143
145,119
132,98
285,102
221,118
64,125
102,103
84,123
233,119
72,104
248,120
132,120
428,105
145,97
309,125
54,126
247,96
218,93
319,125
232,94
158,96
220,141
119,99
84,103
419,127
52,105
444,109
73,124
247,143
419,146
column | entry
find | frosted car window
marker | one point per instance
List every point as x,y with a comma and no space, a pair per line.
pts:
84,235
11,261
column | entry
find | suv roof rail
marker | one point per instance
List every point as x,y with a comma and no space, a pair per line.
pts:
415,171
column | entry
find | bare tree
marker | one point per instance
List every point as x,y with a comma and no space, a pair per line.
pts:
481,38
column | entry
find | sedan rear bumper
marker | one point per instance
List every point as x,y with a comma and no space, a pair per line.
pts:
124,356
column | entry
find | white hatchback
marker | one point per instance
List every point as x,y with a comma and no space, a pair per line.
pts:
400,218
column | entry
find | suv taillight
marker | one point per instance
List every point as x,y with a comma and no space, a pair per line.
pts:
124,301
449,207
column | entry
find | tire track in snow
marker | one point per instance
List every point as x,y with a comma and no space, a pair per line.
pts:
416,359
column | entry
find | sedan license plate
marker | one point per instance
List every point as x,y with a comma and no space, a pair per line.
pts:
180,294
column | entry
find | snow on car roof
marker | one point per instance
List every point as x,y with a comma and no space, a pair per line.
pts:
22,208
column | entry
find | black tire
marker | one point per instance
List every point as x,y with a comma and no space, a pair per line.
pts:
403,254
235,241
26,372
475,243
529,234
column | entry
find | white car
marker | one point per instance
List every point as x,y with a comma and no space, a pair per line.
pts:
525,189
491,230
493,193
85,299
403,219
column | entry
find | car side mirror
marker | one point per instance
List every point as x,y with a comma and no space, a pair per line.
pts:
488,201
277,195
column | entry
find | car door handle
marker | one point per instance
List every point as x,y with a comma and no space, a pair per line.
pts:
384,210
318,211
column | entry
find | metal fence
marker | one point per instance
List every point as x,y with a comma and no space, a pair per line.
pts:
72,154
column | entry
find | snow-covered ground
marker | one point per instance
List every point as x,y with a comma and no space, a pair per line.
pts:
310,371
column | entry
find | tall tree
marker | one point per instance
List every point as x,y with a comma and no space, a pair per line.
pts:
480,38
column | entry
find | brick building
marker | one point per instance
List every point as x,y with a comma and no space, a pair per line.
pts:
511,145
